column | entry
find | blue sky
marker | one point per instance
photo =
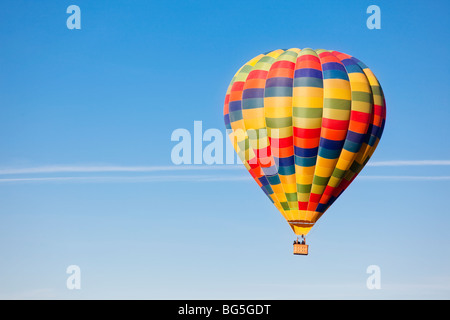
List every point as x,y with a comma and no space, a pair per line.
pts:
86,177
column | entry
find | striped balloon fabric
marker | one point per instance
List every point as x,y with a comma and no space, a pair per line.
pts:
304,123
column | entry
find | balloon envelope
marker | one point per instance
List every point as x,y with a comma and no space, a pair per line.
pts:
304,123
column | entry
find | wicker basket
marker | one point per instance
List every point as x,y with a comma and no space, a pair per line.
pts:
301,249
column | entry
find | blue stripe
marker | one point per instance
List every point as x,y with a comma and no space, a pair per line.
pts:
263,181
329,154
266,191
372,140
288,161
286,171
253,93
355,137
307,153
278,92
274,179
335,74
308,72
331,144
279,82
333,66
305,162
359,63
234,106
352,146
369,131
353,69
252,103
308,82
321,207
236,115
378,131
348,62
270,171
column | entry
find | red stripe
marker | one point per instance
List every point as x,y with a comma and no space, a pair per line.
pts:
328,191
335,124
325,54
314,197
303,205
342,186
360,116
253,163
253,173
308,57
257,74
377,110
263,152
282,142
283,64
306,133
238,86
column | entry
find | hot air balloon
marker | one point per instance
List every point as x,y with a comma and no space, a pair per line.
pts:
304,123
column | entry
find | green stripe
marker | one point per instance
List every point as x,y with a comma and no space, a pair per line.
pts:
340,104
267,59
285,205
279,122
291,196
376,90
320,181
338,173
246,69
355,167
287,53
244,144
361,96
307,112
307,51
303,188
257,133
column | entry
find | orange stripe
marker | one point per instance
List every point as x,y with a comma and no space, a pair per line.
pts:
255,83
281,72
358,127
235,95
332,134
308,64
306,143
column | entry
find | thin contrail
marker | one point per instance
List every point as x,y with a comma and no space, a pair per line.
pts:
115,168
397,163
405,178
109,168
168,178
196,178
